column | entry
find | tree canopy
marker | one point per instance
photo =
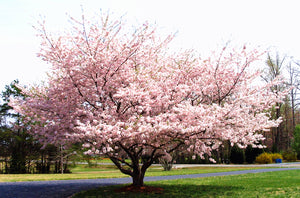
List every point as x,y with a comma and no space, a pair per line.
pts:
125,95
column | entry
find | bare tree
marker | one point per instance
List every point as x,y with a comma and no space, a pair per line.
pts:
273,71
293,81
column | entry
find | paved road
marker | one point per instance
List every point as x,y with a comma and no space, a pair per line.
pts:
281,165
65,188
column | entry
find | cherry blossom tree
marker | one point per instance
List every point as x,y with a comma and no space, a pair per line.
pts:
127,96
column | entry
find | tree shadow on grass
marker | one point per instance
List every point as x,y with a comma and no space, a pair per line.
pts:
174,190
188,190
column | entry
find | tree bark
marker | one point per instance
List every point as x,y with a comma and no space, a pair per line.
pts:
136,171
278,133
61,160
138,178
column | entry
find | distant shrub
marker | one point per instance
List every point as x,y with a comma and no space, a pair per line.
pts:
276,156
290,156
264,158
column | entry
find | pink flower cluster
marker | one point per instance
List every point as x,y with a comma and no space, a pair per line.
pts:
117,92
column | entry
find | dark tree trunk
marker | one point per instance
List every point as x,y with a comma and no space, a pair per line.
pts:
135,170
278,131
138,179
140,161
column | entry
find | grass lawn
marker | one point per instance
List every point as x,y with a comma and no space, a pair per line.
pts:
270,184
109,171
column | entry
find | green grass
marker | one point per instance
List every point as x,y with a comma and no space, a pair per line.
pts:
194,170
270,184
78,172
109,171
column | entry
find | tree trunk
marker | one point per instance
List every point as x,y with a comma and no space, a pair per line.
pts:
278,131
293,109
138,172
138,179
61,160
135,169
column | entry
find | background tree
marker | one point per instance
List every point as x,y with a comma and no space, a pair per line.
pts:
5,140
293,75
126,96
19,151
293,100
296,141
15,141
237,155
273,71
251,154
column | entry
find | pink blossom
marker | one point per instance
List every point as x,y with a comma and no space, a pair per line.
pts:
126,95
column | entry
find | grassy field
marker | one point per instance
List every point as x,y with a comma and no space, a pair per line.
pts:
270,184
109,171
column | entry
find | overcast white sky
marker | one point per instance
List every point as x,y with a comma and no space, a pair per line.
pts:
201,24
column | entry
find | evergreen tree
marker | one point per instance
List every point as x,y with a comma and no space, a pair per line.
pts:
296,141
15,143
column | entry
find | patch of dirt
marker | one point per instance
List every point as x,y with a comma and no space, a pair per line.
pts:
140,189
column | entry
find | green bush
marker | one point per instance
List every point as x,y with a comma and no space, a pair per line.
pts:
290,156
296,141
264,158
237,155
251,153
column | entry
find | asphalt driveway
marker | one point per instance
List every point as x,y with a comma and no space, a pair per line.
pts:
66,188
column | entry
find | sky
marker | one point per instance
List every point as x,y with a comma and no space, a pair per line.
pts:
203,25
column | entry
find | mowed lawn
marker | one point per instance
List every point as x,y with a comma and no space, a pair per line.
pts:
110,171
270,184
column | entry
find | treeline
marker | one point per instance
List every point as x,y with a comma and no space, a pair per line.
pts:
281,139
285,139
19,151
